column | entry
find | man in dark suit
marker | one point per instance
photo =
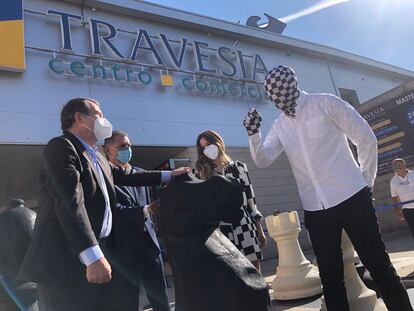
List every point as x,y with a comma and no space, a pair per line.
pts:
136,245
69,256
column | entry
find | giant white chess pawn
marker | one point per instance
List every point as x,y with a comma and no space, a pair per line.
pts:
295,276
360,297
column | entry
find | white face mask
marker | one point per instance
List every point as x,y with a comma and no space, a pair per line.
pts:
102,128
211,152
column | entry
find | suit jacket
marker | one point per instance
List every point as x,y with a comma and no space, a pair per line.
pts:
133,235
71,210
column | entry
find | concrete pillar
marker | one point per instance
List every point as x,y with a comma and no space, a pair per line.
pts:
295,276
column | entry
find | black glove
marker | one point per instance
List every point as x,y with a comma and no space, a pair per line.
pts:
252,121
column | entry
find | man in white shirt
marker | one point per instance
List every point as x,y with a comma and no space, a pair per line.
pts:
313,130
402,190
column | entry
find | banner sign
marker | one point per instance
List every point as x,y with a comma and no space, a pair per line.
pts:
393,125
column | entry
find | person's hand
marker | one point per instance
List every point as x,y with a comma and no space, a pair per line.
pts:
260,234
399,214
154,207
262,239
180,171
252,121
99,272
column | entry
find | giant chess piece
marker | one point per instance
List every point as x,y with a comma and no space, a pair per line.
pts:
209,272
16,229
295,276
360,298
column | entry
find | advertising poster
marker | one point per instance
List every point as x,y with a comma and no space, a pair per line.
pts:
393,125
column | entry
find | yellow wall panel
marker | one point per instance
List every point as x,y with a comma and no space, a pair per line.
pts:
12,45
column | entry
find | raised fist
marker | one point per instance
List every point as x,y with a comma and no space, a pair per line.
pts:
252,121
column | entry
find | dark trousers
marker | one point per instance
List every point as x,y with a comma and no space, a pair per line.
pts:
356,216
121,293
146,269
409,218
87,297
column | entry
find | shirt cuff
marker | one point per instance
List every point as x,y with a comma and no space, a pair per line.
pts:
255,139
91,255
165,177
145,210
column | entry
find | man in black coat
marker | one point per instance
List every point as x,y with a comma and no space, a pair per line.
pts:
71,244
136,247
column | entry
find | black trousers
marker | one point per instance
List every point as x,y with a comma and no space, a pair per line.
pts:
86,297
409,218
356,216
119,294
145,269
83,296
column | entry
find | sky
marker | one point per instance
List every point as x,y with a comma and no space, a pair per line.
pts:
382,30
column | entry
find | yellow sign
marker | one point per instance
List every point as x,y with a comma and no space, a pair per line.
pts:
12,57
167,80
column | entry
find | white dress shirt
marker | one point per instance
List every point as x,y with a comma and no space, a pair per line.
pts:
94,253
316,145
403,188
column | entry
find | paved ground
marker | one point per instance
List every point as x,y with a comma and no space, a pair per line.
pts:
312,304
400,247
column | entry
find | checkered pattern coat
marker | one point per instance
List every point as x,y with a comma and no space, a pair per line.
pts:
244,235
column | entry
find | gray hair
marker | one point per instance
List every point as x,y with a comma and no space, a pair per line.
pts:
115,133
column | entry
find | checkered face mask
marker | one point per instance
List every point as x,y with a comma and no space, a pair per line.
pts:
281,85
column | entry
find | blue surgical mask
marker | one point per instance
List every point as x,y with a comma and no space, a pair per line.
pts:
124,155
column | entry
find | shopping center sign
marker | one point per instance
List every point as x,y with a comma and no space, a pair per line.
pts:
103,33
219,70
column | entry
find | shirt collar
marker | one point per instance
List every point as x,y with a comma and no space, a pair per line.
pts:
90,149
406,175
408,172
